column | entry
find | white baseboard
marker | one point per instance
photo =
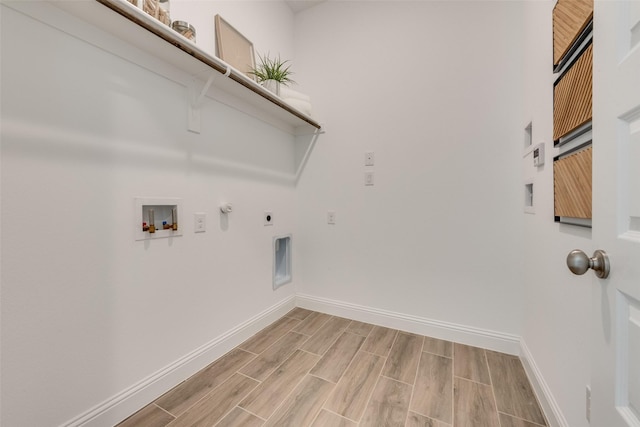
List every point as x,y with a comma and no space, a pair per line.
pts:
125,403
550,407
498,341
506,343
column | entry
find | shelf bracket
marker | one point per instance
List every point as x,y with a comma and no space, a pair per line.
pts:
196,97
305,157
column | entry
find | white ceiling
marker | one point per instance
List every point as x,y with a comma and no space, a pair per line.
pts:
298,5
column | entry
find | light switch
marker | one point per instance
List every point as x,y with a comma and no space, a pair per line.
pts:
331,217
200,222
368,178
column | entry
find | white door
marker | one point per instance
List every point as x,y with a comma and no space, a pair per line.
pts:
615,373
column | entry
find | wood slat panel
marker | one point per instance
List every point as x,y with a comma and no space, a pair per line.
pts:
570,17
572,96
572,185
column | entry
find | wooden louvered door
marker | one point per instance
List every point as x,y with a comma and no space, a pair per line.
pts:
572,185
572,96
572,110
570,19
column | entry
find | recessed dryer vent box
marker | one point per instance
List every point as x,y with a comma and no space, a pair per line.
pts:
281,261
156,218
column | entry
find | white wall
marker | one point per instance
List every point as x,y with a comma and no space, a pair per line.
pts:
435,90
441,91
87,311
268,24
557,310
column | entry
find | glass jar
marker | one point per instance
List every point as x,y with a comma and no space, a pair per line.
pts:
159,9
163,12
186,29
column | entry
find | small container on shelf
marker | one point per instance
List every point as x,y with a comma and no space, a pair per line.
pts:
163,13
158,9
186,29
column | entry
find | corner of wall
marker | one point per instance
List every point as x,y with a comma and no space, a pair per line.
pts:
493,340
543,392
127,402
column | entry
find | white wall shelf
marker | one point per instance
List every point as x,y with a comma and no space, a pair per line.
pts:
133,26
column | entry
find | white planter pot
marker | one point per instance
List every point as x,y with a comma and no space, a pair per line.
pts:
272,86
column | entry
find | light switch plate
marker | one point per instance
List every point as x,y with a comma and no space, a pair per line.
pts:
199,222
331,217
368,178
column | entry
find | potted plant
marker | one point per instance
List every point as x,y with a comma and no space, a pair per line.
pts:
271,73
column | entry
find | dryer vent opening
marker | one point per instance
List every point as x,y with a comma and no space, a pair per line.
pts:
281,261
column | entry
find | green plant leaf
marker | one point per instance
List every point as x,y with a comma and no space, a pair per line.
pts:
273,69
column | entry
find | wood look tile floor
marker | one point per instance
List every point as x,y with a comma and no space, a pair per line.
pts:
313,369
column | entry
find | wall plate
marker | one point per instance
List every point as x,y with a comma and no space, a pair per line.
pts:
268,218
538,155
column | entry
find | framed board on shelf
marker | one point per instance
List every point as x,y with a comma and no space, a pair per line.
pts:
234,48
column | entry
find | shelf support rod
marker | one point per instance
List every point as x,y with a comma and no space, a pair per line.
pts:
305,157
198,102
196,97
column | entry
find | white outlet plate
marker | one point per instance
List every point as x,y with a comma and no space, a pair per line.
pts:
268,218
331,217
368,178
369,158
588,396
199,222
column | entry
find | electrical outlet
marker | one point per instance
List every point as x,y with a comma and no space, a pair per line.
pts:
331,217
200,222
588,403
369,158
268,218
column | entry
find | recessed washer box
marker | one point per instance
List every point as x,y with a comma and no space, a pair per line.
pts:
164,213
281,260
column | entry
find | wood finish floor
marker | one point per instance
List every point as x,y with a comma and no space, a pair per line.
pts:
313,369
